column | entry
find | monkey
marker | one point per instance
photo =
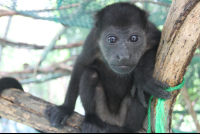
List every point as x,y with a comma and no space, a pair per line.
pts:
9,82
113,73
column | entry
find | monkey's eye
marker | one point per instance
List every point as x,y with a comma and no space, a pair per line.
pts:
134,38
112,39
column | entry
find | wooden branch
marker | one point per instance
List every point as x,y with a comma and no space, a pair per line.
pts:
11,13
29,110
39,47
7,13
186,97
180,38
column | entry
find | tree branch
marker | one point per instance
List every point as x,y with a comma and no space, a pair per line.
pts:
7,13
29,110
33,46
179,41
39,47
11,13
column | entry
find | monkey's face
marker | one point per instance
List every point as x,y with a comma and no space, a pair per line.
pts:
122,48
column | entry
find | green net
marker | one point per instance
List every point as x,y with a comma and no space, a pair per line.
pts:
80,12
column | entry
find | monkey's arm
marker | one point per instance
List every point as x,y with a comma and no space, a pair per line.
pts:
59,114
144,81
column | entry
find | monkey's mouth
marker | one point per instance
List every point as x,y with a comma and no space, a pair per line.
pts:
122,69
122,66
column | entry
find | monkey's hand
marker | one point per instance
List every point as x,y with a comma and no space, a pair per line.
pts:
58,115
150,85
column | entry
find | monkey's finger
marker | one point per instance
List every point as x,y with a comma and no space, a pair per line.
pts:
56,121
142,97
157,92
161,84
64,120
55,117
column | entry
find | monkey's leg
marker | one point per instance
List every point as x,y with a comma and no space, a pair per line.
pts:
93,122
89,82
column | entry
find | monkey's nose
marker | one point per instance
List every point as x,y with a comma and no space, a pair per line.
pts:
124,58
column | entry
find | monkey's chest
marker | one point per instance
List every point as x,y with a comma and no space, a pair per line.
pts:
113,100
104,109
112,95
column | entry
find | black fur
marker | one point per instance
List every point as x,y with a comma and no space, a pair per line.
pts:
8,82
106,73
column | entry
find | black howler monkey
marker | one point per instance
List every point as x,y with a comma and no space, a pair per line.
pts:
117,59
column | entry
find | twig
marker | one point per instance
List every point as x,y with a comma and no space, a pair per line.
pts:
39,47
7,13
44,78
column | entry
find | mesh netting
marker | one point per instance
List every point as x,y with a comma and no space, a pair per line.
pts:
79,12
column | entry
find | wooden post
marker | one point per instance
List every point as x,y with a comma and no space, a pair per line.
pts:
180,38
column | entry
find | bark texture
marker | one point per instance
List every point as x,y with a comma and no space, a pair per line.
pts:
29,110
180,38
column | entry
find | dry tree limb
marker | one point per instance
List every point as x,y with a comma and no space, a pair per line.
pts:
180,38
29,110
7,13
11,13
